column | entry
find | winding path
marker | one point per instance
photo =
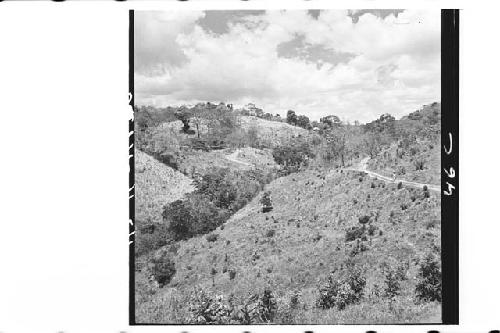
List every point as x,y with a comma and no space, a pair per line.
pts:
363,167
233,157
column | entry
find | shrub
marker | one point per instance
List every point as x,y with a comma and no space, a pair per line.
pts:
270,233
354,233
212,237
392,287
419,165
162,269
425,188
428,286
232,274
267,205
364,219
342,292
205,308
371,229
400,185
266,307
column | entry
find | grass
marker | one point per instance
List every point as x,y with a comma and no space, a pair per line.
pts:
294,260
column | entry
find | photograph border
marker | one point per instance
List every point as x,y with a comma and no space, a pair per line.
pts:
449,176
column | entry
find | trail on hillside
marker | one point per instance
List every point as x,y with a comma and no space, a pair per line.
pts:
363,167
233,157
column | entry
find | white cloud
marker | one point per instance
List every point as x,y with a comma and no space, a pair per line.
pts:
396,68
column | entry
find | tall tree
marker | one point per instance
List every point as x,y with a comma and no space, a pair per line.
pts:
291,117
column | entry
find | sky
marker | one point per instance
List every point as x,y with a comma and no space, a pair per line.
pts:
356,64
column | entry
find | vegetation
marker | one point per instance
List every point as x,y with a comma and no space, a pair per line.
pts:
429,279
205,175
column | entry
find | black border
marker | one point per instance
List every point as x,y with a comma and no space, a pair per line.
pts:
449,204
131,158
449,126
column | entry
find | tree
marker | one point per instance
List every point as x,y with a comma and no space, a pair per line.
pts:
198,112
293,155
337,143
291,117
192,216
184,114
303,121
331,121
372,143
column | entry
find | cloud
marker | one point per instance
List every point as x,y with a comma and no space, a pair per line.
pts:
315,64
155,48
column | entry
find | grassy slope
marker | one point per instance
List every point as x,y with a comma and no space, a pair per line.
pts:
428,151
155,185
200,161
425,124
310,217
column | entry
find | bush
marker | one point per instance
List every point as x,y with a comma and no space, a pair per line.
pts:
354,233
371,229
267,205
342,292
392,287
267,307
206,308
212,237
419,165
270,233
429,279
400,185
162,269
364,219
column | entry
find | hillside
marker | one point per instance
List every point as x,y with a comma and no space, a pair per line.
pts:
195,161
156,185
296,245
417,154
272,132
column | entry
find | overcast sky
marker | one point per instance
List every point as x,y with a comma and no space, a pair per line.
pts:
354,64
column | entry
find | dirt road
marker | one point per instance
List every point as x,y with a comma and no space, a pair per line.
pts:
363,167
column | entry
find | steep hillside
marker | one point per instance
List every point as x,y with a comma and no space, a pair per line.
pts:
156,185
293,248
